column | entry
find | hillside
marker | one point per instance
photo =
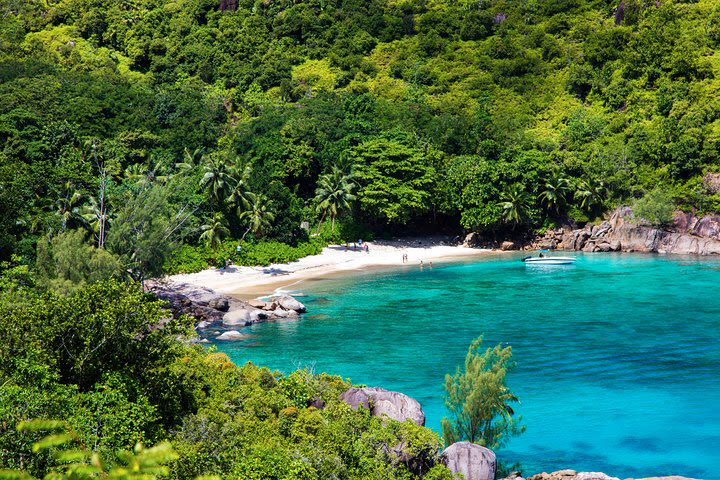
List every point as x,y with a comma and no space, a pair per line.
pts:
146,137
473,114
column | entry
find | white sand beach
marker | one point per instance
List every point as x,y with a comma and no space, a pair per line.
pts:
250,282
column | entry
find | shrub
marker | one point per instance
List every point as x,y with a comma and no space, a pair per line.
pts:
193,258
656,207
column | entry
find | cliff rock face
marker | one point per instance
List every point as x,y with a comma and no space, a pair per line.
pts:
688,235
381,402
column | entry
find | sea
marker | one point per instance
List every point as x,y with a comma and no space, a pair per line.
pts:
617,357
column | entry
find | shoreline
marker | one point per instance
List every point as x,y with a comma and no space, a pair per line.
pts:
253,282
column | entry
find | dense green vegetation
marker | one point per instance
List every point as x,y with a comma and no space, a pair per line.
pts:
108,361
479,401
420,114
151,136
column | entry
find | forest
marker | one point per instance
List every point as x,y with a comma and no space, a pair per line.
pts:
197,123
146,137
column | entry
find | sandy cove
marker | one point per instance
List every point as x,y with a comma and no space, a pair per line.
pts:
251,282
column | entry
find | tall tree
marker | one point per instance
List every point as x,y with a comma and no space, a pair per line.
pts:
258,216
217,179
591,193
145,230
334,194
396,179
240,192
555,192
68,207
516,205
478,401
214,231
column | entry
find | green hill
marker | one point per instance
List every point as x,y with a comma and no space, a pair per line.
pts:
475,114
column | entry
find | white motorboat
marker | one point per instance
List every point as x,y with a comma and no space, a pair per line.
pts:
548,260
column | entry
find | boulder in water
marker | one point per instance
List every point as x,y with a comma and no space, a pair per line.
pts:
231,335
288,303
238,317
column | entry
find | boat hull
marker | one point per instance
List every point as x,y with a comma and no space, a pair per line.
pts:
549,261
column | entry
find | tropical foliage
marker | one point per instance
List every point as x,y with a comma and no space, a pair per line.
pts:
442,110
108,361
478,400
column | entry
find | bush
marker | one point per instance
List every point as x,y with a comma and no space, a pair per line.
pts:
657,208
194,258
346,230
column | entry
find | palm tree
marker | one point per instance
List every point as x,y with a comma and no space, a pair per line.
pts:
334,194
217,179
96,218
240,193
516,205
258,215
214,231
555,194
191,159
591,193
144,175
68,207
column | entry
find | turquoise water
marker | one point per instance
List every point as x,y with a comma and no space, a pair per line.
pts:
618,356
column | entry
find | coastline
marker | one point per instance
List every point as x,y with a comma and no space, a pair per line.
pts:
252,282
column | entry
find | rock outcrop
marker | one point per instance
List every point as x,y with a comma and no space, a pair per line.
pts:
209,307
473,461
688,235
381,402
573,475
286,302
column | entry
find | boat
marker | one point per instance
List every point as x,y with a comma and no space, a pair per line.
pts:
548,260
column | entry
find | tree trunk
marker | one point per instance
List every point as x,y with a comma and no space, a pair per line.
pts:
245,234
322,219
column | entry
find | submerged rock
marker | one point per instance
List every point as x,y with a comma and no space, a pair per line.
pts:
473,461
231,335
379,401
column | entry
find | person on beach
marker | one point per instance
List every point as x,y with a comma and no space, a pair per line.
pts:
421,265
367,248
430,265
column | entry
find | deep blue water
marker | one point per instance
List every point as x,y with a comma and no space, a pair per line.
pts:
618,356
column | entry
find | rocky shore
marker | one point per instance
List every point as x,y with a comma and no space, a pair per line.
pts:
622,232
688,235
473,461
210,308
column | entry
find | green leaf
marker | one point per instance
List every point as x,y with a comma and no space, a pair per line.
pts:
38,425
52,441
68,456
14,475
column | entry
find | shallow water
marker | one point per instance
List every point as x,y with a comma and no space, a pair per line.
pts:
618,356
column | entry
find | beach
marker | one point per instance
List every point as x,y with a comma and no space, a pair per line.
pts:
251,282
